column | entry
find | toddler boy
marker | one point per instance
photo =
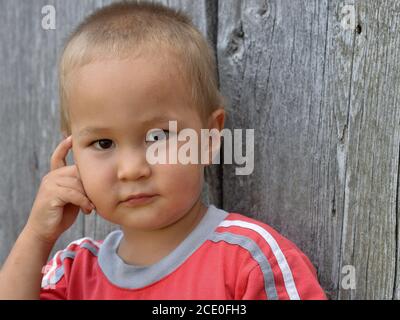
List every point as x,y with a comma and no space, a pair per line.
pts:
126,72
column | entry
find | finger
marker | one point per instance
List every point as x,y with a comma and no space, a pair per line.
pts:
69,195
60,153
74,183
71,182
68,171
69,177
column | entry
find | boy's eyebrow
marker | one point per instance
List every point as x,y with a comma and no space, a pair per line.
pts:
88,130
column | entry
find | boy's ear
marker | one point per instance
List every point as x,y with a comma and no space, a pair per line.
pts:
216,121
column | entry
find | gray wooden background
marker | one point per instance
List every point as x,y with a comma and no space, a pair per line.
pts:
322,98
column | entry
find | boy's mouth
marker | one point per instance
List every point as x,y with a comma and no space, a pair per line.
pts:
138,199
138,196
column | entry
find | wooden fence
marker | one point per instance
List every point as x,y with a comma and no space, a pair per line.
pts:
317,80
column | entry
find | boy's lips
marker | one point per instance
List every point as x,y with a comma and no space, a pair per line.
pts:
138,199
139,196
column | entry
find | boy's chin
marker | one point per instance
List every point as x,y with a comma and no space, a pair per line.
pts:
146,224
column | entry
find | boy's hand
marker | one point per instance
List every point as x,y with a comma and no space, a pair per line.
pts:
59,198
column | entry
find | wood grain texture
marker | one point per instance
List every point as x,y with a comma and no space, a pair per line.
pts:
322,99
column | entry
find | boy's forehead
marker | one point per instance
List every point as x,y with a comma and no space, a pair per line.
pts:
114,91
142,71
143,87
144,78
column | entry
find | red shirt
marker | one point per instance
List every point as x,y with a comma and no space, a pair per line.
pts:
227,256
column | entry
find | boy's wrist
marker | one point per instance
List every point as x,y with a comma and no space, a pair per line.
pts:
22,271
32,235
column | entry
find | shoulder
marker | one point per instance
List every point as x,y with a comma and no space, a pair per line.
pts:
75,254
238,226
285,270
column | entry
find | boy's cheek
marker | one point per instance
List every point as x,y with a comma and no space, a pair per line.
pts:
183,177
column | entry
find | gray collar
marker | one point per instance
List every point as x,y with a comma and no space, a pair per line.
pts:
132,277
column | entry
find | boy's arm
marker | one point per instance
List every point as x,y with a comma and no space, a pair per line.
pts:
54,210
21,274
304,276
301,280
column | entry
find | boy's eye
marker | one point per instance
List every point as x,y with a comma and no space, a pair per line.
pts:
153,136
103,143
157,135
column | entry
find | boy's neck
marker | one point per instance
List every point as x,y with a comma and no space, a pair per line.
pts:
143,248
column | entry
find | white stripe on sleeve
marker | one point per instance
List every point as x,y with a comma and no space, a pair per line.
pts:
276,250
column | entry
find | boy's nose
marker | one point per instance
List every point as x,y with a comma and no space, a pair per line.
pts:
132,165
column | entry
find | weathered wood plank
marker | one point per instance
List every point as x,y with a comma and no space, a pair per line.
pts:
321,98
371,142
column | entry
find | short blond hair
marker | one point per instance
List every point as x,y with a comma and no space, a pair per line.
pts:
120,29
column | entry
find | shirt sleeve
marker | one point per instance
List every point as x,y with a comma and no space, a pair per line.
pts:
298,280
54,284
305,280
255,289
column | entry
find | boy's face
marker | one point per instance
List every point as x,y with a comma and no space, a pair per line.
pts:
121,98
